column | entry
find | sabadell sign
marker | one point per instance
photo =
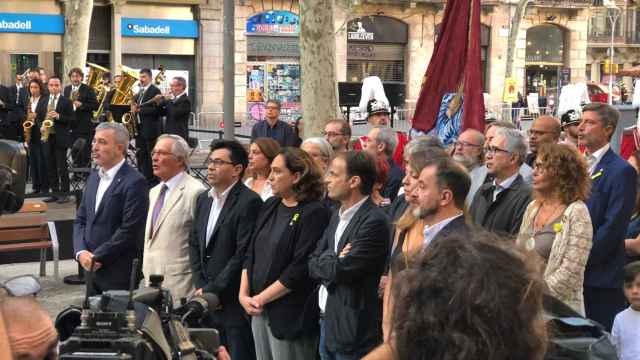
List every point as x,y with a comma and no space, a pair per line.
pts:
31,23
159,28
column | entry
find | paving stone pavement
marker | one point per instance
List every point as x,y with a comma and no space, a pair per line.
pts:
55,295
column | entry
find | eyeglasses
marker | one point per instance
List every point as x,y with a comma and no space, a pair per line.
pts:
331,134
272,108
532,132
161,153
491,150
465,144
218,162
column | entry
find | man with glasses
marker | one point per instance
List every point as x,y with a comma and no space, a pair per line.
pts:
172,205
499,206
272,127
468,152
545,129
338,133
221,232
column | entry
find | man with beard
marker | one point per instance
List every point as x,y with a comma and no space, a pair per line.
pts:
545,129
441,191
570,121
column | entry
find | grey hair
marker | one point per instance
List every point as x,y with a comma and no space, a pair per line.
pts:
121,133
181,81
515,142
387,136
421,144
180,148
325,148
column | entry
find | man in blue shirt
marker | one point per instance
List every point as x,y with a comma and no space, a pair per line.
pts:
273,128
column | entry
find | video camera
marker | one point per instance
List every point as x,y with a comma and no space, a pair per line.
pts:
137,325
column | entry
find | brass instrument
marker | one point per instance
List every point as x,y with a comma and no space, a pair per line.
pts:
47,124
124,96
94,81
160,77
27,125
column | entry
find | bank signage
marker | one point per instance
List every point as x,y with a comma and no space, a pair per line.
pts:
159,28
31,23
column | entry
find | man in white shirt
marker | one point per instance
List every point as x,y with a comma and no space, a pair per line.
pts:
109,225
441,191
172,205
220,235
349,260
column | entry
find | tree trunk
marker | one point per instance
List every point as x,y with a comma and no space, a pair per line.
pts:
513,35
77,20
317,65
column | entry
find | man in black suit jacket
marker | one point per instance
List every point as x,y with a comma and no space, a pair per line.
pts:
223,223
6,107
84,103
149,127
177,110
59,140
349,260
110,221
20,97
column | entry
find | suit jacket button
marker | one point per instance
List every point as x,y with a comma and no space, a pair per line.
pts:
208,257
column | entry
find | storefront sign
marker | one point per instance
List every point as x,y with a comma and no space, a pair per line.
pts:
31,23
510,94
377,29
274,23
273,46
159,28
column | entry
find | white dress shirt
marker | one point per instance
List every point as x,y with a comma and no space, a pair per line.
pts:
171,184
34,104
345,219
53,99
430,231
106,177
216,207
503,185
594,159
266,192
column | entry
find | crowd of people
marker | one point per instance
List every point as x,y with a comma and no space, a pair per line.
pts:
382,249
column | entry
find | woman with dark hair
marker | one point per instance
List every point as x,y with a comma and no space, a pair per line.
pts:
556,224
466,299
37,112
632,239
261,153
382,176
275,288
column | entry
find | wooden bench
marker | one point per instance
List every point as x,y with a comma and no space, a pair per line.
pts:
30,231
33,206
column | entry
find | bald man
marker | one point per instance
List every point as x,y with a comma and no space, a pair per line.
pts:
29,329
468,149
545,129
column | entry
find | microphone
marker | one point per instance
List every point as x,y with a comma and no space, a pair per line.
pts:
199,306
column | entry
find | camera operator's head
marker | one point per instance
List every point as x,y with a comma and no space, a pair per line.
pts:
469,298
30,332
9,202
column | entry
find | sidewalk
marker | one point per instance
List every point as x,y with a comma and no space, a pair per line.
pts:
55,295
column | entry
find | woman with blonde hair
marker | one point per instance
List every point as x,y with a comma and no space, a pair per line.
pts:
556,224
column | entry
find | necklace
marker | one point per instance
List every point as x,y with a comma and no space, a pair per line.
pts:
539,225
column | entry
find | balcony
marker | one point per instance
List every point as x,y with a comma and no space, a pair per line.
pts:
627,31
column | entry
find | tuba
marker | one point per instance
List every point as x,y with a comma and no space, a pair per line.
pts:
124,96
94,81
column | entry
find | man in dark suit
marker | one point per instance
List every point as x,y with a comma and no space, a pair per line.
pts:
349,259
59,140
149,127
224,220
116,111
499,205
110,221
20,97
381,143
611,204
84,103
6,107
177,109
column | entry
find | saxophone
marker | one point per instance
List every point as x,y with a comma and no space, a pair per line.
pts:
27,124
47,124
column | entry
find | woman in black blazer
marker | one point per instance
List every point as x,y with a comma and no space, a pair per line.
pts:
275,289
37,105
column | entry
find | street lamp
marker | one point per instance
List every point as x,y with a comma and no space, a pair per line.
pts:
613,13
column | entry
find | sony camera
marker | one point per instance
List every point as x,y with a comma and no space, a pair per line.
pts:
137,325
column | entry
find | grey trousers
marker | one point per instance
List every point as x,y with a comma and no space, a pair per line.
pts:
270,348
